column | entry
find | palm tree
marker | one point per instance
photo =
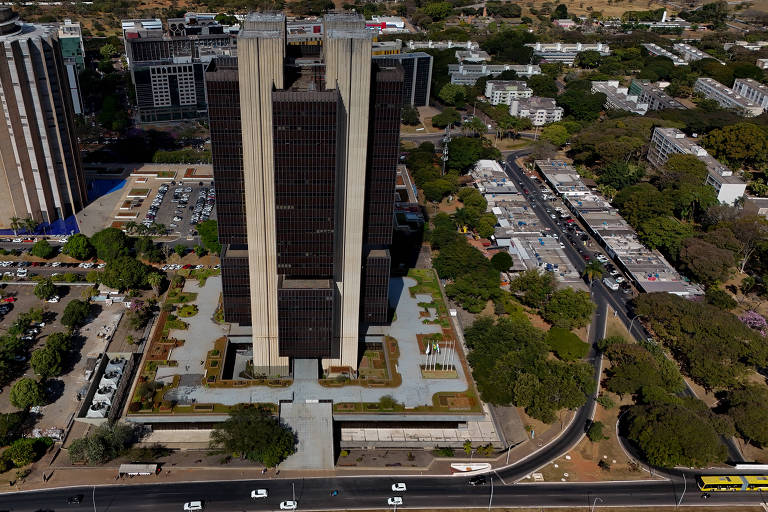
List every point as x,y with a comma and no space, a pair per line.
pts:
155,279
15,225
30,225
131,226
159,229
594,270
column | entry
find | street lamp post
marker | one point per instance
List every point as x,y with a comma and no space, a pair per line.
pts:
595,502
685,487
631,322
490,501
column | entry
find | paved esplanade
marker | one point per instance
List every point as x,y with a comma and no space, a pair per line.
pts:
413,392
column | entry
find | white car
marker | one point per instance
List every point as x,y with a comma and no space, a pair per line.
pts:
22,272
53,299
619,279
259,493
398,487
56,264
395,500
198,267
193,505
288,505
101,265
16,240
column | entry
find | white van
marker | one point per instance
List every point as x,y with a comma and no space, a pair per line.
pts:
610,283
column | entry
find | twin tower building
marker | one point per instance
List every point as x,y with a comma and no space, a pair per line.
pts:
305,143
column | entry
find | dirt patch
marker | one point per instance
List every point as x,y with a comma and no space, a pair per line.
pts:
615,327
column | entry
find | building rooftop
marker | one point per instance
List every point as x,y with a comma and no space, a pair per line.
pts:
537,103
506,85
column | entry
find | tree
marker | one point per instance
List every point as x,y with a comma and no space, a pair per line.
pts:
674,435
561,12
568,308
155,279
746,405
555,133
410,116
437,10
209,235
75,313
543,85
532,287
706,262
566,345
593,270
10,427
582,105
180,250
46,362
464,152
79,247
110,243
26,393
666,234
104,444
502,261
589,59
634,367
45,289
124,273
454,95
596,432
739,144
457,258
22,452
42,249
447,117
749,232
720,298
107,51
642,202
200,251
254,433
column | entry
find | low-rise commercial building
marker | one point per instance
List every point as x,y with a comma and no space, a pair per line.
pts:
566,52
539,110
472,56
726,97
619,98
386,25
657,50
504,91
648,269
653,95
753,90
467,74
690,53
747,45
442,45
670,141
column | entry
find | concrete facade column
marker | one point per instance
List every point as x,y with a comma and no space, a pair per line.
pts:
347,52
261,52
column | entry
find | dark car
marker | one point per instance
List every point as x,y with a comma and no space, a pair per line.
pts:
477,480
75,500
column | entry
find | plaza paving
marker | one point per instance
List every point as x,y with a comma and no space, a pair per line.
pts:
414,391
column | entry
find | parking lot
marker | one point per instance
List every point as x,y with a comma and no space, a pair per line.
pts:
180,206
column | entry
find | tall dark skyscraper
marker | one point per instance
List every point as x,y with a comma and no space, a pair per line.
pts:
305,148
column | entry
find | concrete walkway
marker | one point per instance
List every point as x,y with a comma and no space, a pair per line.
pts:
414,391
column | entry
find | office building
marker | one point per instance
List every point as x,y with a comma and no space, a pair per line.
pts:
753,90
305,147
417,75
167,68
669,141
539,110
658,51
71,41
619,98
467,74
566,52
472,56
42,177
753,46
726,97
387,47
442,45
652,95
690,53
504,91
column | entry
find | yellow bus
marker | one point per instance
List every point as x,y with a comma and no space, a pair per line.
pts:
732,482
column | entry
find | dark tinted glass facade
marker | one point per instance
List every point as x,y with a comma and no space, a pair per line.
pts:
417,75
376,287
305,318
304,131
227,157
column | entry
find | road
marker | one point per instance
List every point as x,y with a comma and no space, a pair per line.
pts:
369,493
600,293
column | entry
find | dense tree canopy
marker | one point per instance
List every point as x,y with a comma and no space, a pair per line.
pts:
79,247
209,235
42,249
568,308
26,393
255,434
746,405
75,313
110,244
739,144
124,273
104,444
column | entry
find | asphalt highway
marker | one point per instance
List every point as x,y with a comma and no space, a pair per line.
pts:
369,493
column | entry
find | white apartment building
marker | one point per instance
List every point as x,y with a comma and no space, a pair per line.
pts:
753,90
566,52
726,97
690,53
752,46
670,141
504,91
539,110
467,74
618,98
657,50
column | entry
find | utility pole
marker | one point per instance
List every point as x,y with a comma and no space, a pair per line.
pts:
446,140
685,487
93,498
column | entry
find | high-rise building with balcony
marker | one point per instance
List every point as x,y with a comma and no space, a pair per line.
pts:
305,149
40,171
